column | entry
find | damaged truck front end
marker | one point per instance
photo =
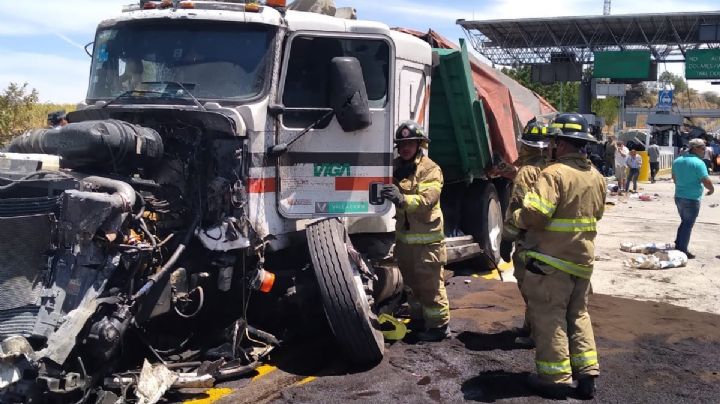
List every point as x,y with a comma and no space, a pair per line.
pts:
123,235
190,212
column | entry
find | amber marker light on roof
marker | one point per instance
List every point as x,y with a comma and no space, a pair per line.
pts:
252,7
276,3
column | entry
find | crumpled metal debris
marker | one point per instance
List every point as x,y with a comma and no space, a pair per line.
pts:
15,353
154,381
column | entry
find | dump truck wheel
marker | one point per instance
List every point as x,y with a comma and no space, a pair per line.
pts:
483,218
343,293
504,189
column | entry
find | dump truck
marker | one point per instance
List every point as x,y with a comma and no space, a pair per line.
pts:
216,196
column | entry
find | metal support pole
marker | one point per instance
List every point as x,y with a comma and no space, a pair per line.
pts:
585,101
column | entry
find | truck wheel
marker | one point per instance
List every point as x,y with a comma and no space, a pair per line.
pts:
504,189
343,292
483,215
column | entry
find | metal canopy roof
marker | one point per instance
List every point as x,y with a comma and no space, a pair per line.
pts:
533,40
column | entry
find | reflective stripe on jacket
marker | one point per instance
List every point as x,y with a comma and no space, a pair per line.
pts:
530,168
420,220
561,214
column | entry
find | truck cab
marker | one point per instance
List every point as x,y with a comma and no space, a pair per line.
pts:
268,70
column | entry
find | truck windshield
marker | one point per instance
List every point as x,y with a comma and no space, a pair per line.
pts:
213,60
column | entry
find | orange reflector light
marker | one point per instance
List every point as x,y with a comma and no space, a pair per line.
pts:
276,3
267,282
252,7
186,4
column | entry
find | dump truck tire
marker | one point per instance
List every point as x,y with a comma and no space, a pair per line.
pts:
483,218
504,189
343,293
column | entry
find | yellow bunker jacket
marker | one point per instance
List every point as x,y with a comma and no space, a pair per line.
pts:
561,214
420,220
530,168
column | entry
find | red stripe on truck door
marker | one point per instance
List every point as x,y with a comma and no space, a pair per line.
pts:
262,185
358,183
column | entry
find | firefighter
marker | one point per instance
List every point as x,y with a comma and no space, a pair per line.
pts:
57,119
420,241
560,213
534,157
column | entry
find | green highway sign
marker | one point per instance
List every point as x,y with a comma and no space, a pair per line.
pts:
628,65
702,64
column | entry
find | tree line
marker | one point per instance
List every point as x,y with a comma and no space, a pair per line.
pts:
21,109
565,96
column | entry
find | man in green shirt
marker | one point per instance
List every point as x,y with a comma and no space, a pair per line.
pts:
689,174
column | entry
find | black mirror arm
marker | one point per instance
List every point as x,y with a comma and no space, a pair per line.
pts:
87,45
280,149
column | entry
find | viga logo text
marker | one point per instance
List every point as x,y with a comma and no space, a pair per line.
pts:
332,170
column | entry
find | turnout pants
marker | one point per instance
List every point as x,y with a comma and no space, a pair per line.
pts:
561,328
421,266
519,271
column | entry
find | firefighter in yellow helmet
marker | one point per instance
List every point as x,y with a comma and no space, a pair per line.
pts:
420,241
561,213
534,157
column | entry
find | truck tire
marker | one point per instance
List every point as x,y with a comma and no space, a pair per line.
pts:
343,293
504,189
483,218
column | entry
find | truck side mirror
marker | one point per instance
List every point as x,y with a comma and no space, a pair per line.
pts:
348,96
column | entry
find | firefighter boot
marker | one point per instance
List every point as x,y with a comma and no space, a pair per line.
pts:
558,391
433,334
586,388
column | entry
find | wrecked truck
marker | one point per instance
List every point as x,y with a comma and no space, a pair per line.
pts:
218,192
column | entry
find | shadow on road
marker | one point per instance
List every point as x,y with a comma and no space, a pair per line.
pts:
489,387
504,340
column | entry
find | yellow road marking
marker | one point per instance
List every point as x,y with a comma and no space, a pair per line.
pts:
305,380
212,396
504,266
263,370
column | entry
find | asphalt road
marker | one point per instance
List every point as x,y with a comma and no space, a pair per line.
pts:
649,353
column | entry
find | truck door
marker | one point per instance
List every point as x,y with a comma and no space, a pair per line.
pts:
329,172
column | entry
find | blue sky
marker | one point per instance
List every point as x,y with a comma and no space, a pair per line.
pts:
41,41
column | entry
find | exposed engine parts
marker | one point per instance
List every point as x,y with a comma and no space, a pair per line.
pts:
108,144
126,233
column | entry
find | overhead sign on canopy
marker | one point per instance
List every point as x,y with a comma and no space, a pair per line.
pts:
702,64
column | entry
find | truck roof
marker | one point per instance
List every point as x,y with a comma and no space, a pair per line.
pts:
406,46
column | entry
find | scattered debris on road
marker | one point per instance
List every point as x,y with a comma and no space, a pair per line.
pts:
659,260
646,248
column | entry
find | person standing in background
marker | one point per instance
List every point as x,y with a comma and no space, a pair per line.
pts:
621,153
654,156
708,158
609,156
689,174
633,162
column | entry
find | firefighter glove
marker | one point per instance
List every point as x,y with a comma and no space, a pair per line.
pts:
506,248
392,193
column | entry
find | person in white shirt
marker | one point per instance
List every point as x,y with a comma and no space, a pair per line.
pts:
621,153
633,162
708,157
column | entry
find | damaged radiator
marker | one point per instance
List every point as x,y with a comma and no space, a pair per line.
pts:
25,241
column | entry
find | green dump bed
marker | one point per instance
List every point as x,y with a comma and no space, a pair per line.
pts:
458,130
